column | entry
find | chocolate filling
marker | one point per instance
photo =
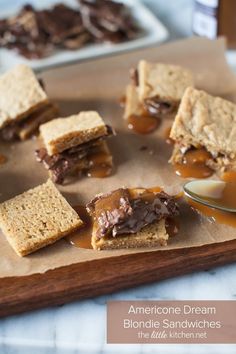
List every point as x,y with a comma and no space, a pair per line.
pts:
62,164
134,77
157,106
12,131
118,213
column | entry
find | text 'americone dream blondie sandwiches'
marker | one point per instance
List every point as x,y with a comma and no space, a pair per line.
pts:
205,123
24,104
131,218
37,218
75,144
156,89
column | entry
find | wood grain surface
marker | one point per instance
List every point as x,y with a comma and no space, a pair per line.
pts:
85,280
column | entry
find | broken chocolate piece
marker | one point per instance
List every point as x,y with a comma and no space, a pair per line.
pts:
37,33
107,20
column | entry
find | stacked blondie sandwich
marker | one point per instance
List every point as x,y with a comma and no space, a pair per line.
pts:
24,104
156,89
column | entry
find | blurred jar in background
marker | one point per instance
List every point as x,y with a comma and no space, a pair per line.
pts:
212,18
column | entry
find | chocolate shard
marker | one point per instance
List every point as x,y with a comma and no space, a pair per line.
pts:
37,33
107,20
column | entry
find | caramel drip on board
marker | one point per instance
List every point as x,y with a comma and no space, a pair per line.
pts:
3,159
143,124
82,237
100,165
122,101
194,164
100,171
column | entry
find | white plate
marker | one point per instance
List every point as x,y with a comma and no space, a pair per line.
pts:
154,32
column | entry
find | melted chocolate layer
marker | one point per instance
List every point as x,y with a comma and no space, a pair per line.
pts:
15,130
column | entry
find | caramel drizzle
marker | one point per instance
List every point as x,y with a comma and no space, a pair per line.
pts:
3,159
143,124
194,164
82,237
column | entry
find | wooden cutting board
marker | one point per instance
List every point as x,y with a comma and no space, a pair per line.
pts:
85,280
98,85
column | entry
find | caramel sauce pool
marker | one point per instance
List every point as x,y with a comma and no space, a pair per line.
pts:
143,124
122,101
82,237
194,164
3,159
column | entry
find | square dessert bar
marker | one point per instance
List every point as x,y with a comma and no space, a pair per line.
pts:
209,122
131,218
37,218
75,144
21,95
63,133
162,80
156,89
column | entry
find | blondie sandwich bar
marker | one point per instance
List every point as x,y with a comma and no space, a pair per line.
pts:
75,144
131,218
24,104
157,89
37,218
207,123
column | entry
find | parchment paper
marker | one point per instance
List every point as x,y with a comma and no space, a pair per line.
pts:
98,85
